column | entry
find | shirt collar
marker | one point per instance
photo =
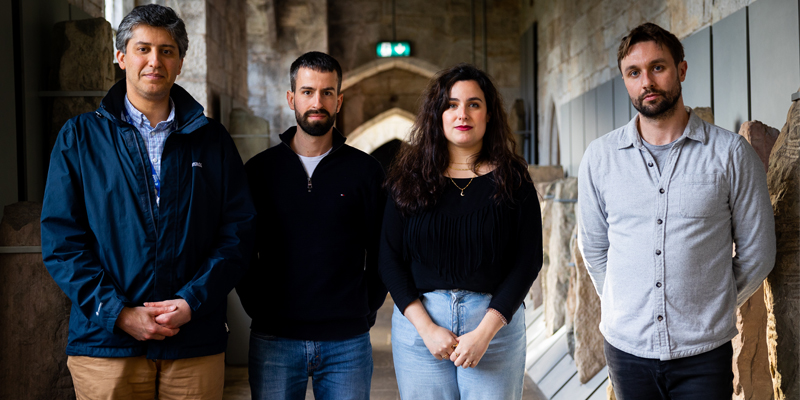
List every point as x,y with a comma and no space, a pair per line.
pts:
695,130
140,119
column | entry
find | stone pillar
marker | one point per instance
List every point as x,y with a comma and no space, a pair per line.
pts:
82,60
782,287
589,355
751,378
250,133
34,314
538,289
275,38
556,282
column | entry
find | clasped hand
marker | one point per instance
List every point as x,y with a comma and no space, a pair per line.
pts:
464,351
155,321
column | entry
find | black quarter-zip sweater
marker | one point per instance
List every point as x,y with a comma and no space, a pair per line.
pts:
315,272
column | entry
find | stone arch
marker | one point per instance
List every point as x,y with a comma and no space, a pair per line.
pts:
387,126
381,85
375,67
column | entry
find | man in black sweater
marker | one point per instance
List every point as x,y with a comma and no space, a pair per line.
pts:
313,288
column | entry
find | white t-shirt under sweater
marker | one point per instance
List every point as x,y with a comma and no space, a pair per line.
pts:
310,163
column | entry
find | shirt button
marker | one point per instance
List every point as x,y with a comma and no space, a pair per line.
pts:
658,252
660,318
659,221
649,164
658,284
661,190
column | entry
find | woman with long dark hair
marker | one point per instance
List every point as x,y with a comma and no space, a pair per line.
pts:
461,246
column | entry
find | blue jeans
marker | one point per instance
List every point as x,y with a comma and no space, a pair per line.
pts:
706,376
339,369
421,376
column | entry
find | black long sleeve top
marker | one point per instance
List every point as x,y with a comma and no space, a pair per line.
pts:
315,271
465,242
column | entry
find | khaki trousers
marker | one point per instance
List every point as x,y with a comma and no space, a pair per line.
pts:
134,378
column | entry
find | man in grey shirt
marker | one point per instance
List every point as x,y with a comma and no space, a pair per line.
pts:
662,202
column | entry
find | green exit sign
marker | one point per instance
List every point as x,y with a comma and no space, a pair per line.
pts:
393,49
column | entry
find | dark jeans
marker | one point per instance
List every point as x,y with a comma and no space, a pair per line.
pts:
707,376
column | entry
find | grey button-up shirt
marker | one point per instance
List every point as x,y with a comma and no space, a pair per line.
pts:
658,246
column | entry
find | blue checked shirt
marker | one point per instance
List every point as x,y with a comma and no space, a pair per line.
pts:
658,244
154,138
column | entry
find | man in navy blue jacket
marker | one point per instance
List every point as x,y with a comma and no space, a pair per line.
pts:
147,225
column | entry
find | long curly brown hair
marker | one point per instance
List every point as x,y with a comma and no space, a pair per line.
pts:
416,177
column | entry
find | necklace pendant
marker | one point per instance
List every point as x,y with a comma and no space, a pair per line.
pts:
462,193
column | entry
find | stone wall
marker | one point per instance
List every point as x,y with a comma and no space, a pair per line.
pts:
227,56
782,287
95,8
440,32
578,39
378,93
194,74
279,31
34,314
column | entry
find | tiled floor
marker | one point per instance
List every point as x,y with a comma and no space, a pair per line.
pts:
384,383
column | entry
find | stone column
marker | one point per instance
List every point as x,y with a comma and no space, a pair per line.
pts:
34,314
751,378
538,289
589,356
782,287
82,60
556,282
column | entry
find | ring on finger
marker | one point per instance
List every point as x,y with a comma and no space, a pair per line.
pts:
457,355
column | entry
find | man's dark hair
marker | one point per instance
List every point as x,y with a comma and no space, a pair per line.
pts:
319,62
650,32
156,16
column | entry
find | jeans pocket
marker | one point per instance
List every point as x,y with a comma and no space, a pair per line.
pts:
403,330
699,195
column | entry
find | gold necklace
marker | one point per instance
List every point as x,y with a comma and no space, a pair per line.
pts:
459,187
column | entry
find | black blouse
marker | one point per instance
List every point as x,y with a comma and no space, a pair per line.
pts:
470,243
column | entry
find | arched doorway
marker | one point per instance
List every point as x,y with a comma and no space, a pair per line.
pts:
383,135
382,85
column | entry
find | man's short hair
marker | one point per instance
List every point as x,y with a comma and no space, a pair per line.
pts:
650,32
319,62
156,16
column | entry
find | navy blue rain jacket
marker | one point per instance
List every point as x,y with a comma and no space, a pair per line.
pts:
108,245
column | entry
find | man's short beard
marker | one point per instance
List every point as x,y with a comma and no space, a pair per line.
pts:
315,129
662,109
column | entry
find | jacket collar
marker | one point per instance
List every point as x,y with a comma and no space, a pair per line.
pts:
288,135
188,112
695,130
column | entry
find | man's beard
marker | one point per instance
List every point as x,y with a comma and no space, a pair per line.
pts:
661,109
319,128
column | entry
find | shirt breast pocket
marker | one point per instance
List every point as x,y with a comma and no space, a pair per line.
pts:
699,195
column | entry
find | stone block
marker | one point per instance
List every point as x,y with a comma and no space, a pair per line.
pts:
589,356
782,287
251,133
82,57
751,377
556,282
546,204
761,137
35,315
704,113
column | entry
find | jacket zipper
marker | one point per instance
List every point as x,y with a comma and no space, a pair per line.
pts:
309,187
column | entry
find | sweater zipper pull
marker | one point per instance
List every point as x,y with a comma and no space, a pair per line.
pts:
309,185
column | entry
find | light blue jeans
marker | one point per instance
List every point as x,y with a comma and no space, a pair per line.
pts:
339,369
421,376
